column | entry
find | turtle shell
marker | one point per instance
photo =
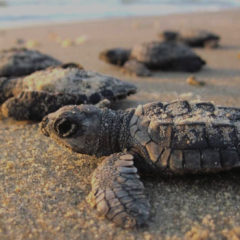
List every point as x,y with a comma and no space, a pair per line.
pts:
167,56
22,61
75,81
192,38
188,135
46,91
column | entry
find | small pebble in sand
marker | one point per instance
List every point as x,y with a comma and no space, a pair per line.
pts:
17,190
197,233
10,165
52,36
32,44
67,43
81,39
72,215
148,236
232,234
193,81
186,95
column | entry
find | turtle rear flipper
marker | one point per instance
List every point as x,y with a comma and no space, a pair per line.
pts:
117,192
134,67
211,44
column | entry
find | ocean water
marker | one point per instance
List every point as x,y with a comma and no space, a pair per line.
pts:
15,13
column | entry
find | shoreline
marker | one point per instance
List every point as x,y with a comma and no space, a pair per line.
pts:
45,23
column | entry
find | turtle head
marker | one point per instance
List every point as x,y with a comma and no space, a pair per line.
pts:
76,127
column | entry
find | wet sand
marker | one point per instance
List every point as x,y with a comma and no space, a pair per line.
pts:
43,186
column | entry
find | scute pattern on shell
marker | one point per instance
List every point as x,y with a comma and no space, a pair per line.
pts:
75,81
21,61
175,133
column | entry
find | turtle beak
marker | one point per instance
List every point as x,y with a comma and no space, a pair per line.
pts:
43,126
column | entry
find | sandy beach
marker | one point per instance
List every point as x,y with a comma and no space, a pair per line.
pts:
43,187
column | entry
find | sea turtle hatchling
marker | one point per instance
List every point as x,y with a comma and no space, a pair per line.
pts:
36,95
192,38
22,62
158,139
166,56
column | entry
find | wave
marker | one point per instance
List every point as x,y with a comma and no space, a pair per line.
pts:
20,12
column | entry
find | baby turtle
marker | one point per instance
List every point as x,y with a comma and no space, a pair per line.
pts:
192,38
158,139
43,92
142,58
22,62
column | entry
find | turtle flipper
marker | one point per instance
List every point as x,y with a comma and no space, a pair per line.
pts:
117,192
105,103
115,56
133,67
9,86
34,105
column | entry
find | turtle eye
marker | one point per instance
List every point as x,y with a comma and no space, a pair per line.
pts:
65,128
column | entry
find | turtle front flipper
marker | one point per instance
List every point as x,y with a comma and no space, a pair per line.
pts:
34,105
9,86
117,192
116,56
3,95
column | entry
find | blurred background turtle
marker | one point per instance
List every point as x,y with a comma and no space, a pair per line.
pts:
192,38
142,58
34,96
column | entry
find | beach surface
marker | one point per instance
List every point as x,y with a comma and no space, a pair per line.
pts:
43,187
